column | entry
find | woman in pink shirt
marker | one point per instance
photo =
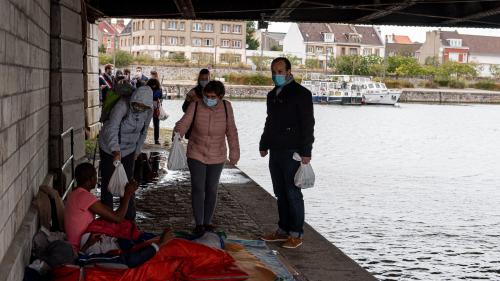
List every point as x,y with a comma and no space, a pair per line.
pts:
211,121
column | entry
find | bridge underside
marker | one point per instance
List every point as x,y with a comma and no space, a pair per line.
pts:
457,13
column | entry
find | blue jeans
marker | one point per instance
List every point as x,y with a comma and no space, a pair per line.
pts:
290,199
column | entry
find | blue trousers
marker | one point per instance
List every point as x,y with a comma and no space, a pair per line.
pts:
290,199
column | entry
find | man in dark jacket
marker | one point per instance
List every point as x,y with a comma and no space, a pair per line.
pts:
289,129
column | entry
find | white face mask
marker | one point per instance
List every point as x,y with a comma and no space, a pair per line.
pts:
203,83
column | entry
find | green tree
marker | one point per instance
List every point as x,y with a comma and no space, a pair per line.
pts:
177,57
358,65
393,62
251,42
495,71
102,49
123,58
455,70
261,62
294,60
434,61
105,59
312,63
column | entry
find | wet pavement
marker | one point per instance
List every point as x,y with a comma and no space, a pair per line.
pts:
166,202
244,210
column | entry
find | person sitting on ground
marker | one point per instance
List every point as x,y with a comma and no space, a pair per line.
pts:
196,93
80,211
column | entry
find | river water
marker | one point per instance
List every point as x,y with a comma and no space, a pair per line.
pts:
409,192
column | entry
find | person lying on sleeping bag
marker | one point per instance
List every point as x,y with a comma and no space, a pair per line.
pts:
80,211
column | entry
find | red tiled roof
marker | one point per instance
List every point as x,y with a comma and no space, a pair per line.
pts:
107,28
402,39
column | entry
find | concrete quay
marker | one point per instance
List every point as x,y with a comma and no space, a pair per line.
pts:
244,210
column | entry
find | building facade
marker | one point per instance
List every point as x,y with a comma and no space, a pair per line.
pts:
323,41
270,41
483,51
401,45
197,41
108,34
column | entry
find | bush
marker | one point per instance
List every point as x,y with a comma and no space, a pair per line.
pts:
430,84
144,59
105,59
252,79
123,58
391,84
456,84
485,85
442,82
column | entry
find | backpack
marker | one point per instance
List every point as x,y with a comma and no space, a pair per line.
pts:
188,133
120,90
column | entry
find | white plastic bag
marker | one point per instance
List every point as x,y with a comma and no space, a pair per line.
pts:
177,159
118,180
163,114
304,178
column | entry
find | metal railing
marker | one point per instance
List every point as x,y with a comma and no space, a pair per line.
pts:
65,163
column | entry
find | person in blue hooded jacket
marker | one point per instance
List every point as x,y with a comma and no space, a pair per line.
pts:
122,138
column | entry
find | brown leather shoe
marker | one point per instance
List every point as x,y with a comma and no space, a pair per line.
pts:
292,242
274,237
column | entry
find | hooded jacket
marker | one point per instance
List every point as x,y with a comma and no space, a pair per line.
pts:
126,130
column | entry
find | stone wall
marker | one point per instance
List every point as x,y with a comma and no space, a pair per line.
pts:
91,83
232,91
41,96
24,118
449,96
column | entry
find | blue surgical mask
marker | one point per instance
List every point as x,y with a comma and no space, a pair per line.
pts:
279,80
210,102
203,83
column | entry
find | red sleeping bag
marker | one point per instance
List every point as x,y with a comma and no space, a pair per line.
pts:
178,260
125,229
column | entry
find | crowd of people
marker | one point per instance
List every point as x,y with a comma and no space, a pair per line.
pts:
209,124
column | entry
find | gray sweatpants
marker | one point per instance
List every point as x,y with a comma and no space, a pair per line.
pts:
204,183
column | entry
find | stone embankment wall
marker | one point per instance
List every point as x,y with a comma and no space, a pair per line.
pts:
232,91
449,96
408,95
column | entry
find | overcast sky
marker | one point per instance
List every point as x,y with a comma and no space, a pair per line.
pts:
417,34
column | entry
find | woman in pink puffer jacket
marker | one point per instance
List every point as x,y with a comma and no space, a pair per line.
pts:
211,121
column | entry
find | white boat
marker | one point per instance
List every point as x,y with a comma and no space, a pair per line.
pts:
377,93
348,90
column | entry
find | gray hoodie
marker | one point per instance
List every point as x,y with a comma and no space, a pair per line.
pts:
126,130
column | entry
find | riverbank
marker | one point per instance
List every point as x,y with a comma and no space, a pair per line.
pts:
244,210
178,89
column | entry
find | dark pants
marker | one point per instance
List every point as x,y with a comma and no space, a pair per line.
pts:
107,168
290,200
156,125
204,183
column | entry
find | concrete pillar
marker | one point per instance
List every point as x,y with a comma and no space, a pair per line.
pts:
66,83
91,78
